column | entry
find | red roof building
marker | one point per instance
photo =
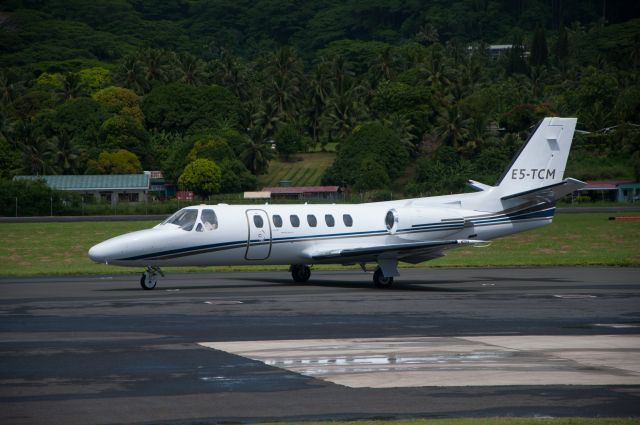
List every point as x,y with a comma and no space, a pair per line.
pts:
611,190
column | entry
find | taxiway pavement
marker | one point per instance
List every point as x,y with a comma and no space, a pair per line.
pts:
254,347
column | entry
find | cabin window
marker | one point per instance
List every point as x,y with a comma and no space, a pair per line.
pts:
258,221
209,220
295,220
348,221
185,219
328,218
312,220
277,221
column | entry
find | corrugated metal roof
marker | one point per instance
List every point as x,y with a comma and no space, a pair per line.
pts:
94,182
302,189
603,184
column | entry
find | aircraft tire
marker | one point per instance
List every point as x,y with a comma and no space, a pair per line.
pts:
300,273
148,281
380,281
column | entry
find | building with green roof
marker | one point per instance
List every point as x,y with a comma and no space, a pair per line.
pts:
131,187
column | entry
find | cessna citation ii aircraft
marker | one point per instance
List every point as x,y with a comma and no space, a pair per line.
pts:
410,230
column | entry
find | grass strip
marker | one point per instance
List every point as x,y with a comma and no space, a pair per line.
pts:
28,249
479,421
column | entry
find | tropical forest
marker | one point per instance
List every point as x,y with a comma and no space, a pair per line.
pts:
409,97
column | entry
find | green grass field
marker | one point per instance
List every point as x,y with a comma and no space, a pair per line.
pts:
306,170
573,239
481,421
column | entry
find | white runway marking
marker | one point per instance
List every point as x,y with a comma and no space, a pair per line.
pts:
453,362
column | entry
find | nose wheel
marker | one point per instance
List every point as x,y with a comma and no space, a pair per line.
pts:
149,278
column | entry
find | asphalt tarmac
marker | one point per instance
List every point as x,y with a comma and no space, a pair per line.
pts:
249,347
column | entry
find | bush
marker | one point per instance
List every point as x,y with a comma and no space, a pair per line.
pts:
34,198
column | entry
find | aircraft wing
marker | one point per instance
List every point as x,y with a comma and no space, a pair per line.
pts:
549,193
412,252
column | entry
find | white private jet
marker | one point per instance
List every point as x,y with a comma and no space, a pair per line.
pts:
410,230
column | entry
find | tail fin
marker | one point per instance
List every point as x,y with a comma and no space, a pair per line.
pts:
542,159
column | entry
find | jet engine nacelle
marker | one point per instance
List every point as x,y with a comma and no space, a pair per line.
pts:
412,223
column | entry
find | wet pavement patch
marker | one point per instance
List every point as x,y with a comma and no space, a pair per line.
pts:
452,361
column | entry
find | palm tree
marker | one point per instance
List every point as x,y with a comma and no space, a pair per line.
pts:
472,74
477,132
538,76
284,95
318,93
256,153
6,127
596,116
38,152
451,128
344,111
403,127
8,88
155,65
131,74
68,155
344,104
191,69
228,72
383,68
340,75
438,73
427,34
71,86
266,118
284,82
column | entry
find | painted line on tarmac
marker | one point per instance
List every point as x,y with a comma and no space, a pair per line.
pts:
453,361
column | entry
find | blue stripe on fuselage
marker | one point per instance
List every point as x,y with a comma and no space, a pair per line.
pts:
525,214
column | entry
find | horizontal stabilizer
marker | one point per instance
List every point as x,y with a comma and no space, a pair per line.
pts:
398,251
478,186
549,193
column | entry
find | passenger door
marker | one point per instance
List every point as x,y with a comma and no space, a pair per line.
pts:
259,240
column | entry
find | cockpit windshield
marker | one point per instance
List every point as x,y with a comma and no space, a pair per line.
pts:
185,218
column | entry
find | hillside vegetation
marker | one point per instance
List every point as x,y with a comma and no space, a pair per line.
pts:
305,170
407,91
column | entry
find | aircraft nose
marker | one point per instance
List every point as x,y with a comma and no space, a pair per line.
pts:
100,253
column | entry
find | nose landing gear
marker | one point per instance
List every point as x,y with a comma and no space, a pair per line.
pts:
149,279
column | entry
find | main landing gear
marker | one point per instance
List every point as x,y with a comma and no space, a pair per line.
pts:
380,281
149,279
300,273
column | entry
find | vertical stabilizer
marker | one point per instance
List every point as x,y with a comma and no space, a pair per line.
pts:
542,159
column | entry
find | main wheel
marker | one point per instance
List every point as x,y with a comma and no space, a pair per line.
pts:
300,273
148,280
380,281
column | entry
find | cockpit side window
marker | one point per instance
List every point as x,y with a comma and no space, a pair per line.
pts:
185,218
209,219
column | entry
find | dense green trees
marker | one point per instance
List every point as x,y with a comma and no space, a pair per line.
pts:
120,161
201,176
406,90
373,150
